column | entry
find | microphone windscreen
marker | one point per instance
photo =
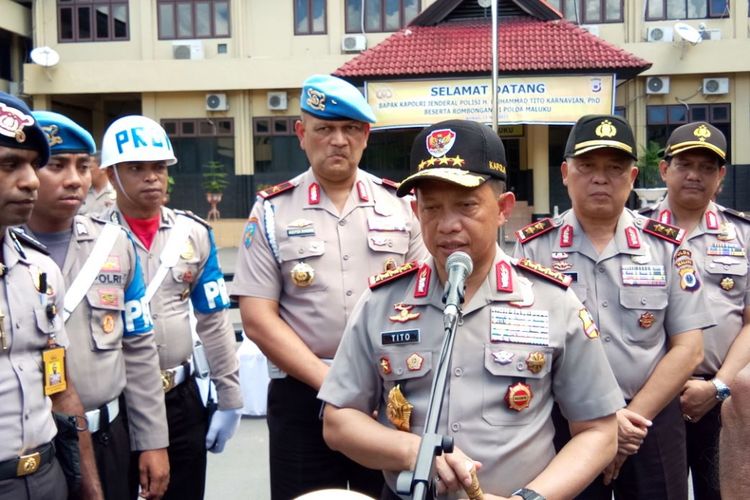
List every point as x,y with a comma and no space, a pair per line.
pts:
461,259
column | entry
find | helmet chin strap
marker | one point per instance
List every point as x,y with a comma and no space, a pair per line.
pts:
119,183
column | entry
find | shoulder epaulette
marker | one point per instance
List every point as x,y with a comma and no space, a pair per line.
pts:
672,234
23,238
389,183
392,275
555,277
531,231
188,213
275,190
647,210
735,213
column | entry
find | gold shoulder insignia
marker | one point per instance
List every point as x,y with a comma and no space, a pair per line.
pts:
736,213
528,233
665,231
393,274
556,277
277,189
191,215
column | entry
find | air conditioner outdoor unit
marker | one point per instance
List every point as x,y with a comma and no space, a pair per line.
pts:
659,34
216,102
353,43
276,101
715,86
657,85
712,34
187,49
591,28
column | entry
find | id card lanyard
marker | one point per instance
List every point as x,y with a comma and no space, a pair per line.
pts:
53,356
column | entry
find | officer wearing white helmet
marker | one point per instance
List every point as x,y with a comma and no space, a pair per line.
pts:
181,267
33,373
113,354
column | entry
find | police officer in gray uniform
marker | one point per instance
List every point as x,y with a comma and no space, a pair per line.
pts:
644,294
181,268
101,195
308,248
33,374
524,340
693,169
113,355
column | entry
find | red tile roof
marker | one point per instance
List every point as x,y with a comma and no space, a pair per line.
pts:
526,45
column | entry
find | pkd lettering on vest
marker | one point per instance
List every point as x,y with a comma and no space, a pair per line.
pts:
214,289
137,311
135,138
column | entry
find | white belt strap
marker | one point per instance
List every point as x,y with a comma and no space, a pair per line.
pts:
94,417
170,254
90,269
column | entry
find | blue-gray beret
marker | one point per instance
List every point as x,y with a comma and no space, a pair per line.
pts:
331,98
63,134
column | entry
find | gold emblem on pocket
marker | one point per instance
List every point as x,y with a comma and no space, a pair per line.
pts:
108,323
399,409
302,274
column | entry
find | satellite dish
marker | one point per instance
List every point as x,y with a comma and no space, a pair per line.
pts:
45,56
688,33
484,3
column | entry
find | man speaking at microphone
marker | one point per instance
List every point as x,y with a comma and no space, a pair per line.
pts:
523,338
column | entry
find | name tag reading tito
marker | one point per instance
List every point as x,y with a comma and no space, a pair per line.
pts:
400,337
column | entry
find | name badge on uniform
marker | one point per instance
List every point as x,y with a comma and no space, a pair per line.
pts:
391,223
300,227
633,275
400,337
54,370
519,326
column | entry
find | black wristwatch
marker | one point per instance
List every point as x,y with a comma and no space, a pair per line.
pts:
528,494
722,389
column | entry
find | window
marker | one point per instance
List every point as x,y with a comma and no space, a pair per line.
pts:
686,9
662,120
193,19
379,15
278,156
309,17
92,20
590,11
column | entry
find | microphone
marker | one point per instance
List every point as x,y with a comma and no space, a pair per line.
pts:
459,266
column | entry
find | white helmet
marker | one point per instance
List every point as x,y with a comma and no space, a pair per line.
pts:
136,138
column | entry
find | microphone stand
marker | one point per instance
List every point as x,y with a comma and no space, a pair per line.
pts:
417,482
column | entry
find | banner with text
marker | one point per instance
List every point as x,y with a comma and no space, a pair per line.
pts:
540,99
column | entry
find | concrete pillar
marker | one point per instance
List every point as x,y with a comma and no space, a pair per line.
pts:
538,152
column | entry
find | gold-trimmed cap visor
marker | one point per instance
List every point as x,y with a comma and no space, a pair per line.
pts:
457,176
697,135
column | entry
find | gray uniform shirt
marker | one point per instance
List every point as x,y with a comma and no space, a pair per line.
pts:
97,202
633,290
25,412
499,332
112,344
375,231
720,245
196,277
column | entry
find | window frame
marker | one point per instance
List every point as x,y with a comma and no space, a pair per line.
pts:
709,11
581,6
310,30
73,6
193,35
178,124
402,21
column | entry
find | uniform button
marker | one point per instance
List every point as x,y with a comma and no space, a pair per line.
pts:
342,222
349,293
726,267
458,372
608,339
399,371
605,303
521,366
643,300
26,415
154,315
390,243
20,367
346,257
301,250
455,426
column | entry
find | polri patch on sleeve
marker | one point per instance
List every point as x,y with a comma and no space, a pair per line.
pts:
528,233
398,337
399,272
665,231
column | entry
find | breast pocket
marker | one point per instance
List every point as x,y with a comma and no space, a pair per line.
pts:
643,314
396,242
107,306
517,378
409,368
725,278
301,260
44,325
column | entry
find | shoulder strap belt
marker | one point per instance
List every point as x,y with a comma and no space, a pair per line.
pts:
90,269
169,255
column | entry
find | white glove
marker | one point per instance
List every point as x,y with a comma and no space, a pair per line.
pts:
223,425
